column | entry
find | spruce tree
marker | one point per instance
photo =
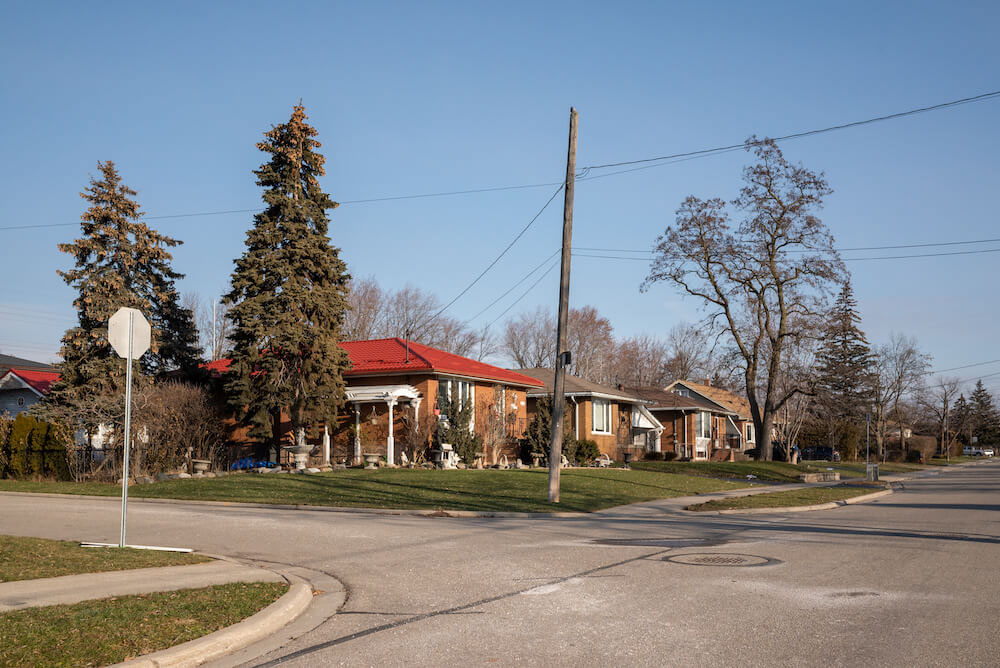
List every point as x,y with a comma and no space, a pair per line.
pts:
844,364
119,261
961,420
845,357
984,417
289,295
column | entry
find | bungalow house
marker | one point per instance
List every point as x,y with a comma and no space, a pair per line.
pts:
738,433
691,423
618,421
23,383
392,394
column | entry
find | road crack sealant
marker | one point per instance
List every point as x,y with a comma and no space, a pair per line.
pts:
450,611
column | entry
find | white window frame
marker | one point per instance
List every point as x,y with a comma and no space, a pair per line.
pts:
703,424
605,407
749,433
444,387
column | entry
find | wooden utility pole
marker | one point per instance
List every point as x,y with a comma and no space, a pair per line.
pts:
559,384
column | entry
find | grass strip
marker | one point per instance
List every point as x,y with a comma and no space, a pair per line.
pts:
32,558
763,471
491,490
808,496
106,631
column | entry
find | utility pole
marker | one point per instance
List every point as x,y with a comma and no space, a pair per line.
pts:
562,355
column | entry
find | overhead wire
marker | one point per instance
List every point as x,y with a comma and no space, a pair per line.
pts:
513,287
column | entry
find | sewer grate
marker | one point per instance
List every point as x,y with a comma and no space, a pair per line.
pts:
721,559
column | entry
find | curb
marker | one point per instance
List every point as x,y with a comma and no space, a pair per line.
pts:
419,512
794,509
232,638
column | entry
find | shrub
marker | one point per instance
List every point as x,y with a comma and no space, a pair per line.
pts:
32,448
669,456
654,456
587,450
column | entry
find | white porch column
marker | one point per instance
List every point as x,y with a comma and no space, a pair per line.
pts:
357,433
326,446
390,454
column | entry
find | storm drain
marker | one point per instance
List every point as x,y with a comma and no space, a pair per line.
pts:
719,559
659,542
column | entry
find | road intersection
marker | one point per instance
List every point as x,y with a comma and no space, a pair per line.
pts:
905,579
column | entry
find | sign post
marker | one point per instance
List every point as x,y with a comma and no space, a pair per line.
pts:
129,333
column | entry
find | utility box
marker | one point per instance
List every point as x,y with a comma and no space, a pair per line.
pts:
871,471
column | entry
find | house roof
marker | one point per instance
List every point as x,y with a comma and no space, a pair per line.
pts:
724,398
11,362
660,399
40,381
576,386
389,356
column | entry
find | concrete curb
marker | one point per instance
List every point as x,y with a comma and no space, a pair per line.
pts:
232,638
420,512
794,509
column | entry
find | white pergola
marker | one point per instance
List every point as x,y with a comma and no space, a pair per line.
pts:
374,394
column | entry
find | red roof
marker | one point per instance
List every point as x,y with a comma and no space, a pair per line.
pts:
388,356
40,380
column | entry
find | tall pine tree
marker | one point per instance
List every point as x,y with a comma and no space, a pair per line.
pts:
289,295
844,364
984,417
119,261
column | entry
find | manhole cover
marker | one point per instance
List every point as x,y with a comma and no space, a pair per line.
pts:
719,559
659,542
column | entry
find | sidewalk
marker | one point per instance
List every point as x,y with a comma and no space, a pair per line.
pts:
75,588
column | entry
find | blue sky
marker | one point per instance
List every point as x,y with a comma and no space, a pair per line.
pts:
415,98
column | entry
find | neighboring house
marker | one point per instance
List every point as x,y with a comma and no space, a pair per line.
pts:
617,420
691,423
23,383
739,429
393,387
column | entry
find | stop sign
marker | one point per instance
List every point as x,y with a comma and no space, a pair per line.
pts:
120,323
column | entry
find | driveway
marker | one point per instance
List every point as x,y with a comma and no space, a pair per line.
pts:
908,579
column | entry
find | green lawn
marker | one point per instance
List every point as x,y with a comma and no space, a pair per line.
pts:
763,471
99,633
31,558
794,497
582,490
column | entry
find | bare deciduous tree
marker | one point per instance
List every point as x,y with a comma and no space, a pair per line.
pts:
528,339
899,369
938,401
761,279
643,361
363,321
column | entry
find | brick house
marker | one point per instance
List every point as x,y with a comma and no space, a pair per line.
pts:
617,420
692,424
739,428
392,397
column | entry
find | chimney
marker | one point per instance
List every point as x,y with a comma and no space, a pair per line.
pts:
708,381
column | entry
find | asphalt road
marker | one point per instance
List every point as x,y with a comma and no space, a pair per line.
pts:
909,579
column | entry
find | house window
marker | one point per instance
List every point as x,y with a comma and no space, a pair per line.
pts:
703,425
749,433
602,417
682,392
461,392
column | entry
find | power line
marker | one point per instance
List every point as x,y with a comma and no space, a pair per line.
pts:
513,287
524,294
493,263
807,133
967,366
584,173
856,248
846,259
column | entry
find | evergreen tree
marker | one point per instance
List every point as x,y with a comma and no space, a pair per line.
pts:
844,359
844,364
289,295
984,417
961,420
119,261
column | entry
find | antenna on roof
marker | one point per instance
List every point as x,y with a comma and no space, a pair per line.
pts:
407,339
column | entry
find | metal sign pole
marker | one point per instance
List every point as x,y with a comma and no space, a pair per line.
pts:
128,422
